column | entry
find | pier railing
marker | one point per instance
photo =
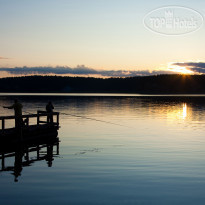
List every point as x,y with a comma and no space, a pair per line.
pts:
52,118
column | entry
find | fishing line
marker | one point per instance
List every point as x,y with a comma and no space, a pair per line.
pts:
89,118
28,113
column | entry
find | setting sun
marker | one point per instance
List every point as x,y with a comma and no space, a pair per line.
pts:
179,69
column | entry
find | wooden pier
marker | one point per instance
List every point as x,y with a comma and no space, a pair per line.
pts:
36,132
34,127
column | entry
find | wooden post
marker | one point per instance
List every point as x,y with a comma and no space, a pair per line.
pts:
3,124
57,149
38,118
2,161
27,155
48,117
27,119
57,118
38,152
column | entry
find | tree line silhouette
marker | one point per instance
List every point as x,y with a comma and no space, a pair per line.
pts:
160,84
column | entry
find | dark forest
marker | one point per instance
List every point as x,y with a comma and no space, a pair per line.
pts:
160,84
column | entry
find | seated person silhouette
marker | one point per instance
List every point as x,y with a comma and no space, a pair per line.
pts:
49,109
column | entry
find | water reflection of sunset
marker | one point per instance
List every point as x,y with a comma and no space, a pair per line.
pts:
178,112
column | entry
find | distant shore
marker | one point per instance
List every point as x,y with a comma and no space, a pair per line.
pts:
157,85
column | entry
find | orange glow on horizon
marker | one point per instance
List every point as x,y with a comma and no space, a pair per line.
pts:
179,69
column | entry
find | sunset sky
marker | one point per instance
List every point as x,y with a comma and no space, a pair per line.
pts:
94,37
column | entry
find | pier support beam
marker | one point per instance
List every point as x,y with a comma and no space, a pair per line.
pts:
2,161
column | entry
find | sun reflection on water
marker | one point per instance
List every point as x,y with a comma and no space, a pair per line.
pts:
184,110
179,112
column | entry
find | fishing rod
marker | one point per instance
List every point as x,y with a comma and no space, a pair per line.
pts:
89,118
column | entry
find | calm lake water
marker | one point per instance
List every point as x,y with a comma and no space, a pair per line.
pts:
116,150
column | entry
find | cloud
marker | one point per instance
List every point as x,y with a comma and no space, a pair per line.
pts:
196,67
3,58
80,70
